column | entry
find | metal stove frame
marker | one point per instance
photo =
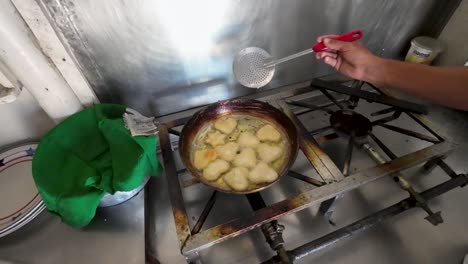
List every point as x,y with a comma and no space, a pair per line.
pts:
333,184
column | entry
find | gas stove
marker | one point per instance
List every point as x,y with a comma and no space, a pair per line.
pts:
334,124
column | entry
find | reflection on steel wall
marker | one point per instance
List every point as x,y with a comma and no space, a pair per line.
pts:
164,56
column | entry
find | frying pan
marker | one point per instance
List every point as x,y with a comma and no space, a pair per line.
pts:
254,108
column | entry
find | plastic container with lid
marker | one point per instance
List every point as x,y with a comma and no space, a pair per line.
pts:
424,50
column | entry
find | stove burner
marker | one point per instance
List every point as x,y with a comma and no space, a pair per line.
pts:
347,122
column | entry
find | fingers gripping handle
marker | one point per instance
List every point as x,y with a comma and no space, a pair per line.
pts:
347,37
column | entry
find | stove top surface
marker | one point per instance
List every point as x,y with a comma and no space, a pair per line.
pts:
342,139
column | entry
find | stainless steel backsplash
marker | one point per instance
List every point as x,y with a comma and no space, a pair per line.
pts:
160,57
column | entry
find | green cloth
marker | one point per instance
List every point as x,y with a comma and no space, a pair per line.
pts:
89,154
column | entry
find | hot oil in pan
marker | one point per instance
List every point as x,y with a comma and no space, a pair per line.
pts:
245,123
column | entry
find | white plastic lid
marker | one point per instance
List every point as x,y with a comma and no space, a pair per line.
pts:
428,43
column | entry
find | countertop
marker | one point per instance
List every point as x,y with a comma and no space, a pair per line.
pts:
116,235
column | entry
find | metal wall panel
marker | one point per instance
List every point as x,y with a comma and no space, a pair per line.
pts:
160,57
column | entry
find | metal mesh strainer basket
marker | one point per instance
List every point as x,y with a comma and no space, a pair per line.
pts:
249,67
254,67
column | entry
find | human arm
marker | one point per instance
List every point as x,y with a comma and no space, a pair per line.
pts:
443,85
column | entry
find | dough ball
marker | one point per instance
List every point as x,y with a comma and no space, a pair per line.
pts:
215,169
228,152
248,140
226,125
269,153
203,157
246,158
221,183
236,178
268,133
262,173
215,138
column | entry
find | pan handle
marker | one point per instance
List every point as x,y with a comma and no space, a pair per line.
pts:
347,37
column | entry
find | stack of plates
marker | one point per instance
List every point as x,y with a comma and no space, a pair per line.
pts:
20,201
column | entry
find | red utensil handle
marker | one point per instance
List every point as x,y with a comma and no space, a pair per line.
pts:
348,37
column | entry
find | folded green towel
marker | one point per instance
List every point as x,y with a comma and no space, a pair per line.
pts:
89,154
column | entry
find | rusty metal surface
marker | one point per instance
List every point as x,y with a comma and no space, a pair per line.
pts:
175,193
317,157
304,178
248,107
238,226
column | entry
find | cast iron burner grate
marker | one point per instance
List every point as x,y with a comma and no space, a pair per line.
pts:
333,183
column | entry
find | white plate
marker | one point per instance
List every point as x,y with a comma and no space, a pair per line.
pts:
20,201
